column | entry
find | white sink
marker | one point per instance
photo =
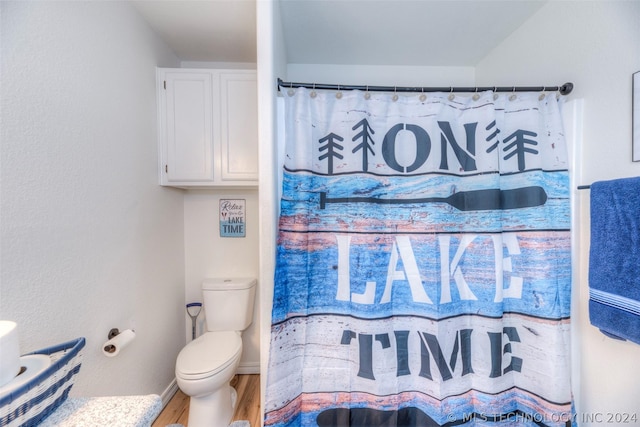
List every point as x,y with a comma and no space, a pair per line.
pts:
9,351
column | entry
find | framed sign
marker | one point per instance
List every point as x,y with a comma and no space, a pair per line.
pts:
636,116
232,218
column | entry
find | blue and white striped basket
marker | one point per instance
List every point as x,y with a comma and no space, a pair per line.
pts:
39,397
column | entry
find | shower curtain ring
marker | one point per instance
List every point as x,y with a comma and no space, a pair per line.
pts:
367,95
476,96
338,93
543,94
291,92
451,95
394,98
313,93
423,97
513,94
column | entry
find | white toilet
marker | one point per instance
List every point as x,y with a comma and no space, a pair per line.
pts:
207,364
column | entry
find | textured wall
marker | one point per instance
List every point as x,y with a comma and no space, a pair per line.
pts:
89,239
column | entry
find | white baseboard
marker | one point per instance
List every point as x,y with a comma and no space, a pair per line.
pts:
249,368
168,392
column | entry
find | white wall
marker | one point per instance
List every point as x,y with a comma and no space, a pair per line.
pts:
214,65
271,64
383,75
89,239
595,45
209,255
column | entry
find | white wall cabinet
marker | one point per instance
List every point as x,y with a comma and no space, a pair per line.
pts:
207,127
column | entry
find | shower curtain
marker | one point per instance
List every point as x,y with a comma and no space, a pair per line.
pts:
423,264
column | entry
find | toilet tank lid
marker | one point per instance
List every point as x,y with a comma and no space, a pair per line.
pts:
221,284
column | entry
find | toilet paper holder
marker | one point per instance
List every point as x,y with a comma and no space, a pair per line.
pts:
114,332
117,341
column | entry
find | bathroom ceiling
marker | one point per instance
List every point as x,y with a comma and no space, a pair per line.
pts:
204,30
366,32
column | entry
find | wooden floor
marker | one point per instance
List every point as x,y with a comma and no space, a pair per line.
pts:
248,407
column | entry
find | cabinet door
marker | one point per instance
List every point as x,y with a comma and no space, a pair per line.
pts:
239,126
189,128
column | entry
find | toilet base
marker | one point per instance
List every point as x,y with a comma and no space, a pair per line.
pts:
215,409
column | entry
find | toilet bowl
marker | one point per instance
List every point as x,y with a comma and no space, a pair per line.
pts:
206,365
204,369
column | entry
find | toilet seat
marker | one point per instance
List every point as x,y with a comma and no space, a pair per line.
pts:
208,354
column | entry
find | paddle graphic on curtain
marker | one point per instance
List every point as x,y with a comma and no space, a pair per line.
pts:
423,263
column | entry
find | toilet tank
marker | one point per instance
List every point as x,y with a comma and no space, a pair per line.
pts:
228,303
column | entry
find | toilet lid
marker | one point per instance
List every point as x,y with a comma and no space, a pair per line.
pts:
208,354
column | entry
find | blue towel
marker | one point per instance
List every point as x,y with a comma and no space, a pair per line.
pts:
614,259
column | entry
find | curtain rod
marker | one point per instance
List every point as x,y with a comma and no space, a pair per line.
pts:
565,89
